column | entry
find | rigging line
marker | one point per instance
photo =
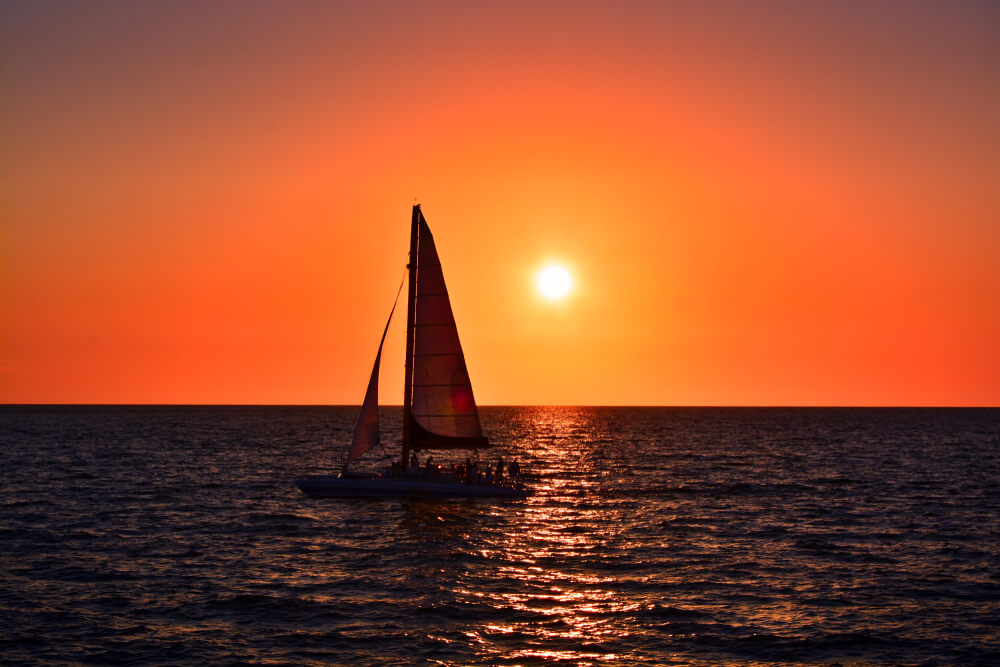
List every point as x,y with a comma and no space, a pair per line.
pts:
391,312
393,309
400,290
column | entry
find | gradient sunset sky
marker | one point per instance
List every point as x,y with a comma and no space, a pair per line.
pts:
777,203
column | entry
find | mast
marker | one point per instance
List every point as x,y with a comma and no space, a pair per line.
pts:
411,300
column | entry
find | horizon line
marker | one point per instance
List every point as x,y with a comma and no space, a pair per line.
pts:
505,405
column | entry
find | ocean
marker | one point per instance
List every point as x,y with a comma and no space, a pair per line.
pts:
655,536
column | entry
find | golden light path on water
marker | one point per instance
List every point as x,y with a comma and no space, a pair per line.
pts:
578,606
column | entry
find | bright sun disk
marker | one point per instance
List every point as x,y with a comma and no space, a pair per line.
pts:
554,281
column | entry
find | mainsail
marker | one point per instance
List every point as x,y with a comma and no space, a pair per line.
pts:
443,412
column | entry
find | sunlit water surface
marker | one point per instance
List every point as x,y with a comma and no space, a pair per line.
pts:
655,536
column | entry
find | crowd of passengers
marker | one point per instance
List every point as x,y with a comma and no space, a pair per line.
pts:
470,472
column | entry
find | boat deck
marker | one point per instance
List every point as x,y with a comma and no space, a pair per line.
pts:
335,486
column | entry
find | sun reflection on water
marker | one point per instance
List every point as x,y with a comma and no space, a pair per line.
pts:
550,554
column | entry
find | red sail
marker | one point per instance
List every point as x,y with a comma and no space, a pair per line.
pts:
443,407
366,433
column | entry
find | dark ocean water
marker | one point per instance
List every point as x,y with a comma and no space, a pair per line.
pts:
656,536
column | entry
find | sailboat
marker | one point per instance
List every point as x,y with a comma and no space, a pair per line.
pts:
439,410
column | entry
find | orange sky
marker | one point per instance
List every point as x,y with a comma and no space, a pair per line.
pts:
762,203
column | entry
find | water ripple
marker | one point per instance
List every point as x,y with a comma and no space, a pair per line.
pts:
655,536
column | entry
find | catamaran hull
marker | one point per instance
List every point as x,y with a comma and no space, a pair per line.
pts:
331,486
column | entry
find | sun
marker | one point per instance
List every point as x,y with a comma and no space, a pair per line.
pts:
554,282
